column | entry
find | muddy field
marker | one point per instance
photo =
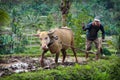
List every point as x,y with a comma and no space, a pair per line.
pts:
17,64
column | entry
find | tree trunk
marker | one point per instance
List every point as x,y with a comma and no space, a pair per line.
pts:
65,6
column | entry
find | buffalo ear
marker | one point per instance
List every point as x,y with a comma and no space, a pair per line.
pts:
37,35
38,32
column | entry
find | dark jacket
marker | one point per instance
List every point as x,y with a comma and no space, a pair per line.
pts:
92,31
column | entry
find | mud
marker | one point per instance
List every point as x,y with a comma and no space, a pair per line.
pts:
17,64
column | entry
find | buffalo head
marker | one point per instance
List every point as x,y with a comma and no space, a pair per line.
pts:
44,37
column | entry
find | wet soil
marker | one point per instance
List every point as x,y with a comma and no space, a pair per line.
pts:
18,64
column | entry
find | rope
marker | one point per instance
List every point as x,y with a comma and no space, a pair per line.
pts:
78,49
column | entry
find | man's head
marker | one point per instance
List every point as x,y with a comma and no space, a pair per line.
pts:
96,22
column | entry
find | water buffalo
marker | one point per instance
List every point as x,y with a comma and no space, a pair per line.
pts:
56,41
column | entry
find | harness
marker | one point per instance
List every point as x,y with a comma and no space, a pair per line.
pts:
52,40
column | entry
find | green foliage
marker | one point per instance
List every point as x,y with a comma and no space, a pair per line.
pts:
4,17
33,50
115,42
5,43
115,70
95,70
13,42
49,22
10,45
105,51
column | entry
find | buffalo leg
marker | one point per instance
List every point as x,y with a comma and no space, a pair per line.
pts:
42,57
64,55
56,58
74,54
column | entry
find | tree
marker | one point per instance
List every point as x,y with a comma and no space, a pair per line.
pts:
65,6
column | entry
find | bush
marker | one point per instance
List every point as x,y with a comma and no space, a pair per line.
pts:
10,44
115,70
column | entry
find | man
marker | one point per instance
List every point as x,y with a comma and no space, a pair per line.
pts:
92,36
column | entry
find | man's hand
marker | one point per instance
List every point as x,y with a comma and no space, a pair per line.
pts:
83,24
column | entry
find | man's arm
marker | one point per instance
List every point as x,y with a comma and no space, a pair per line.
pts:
85,27
103,32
